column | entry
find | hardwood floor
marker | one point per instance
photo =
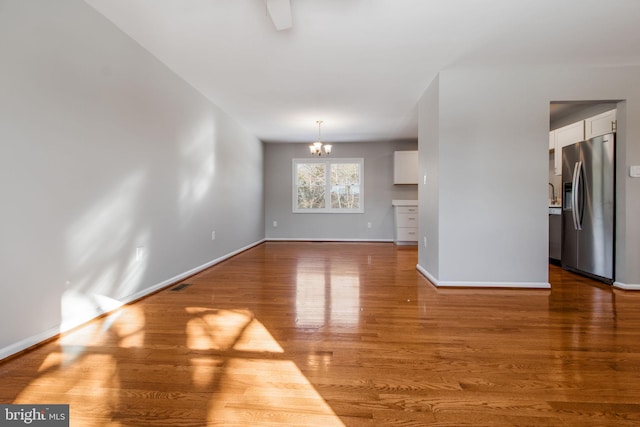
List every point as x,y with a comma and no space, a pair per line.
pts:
344,334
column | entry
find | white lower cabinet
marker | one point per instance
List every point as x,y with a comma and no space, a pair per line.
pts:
406,225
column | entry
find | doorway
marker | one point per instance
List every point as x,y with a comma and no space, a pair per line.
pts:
570,122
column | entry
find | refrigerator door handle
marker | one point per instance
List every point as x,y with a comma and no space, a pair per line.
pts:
577,181
574,195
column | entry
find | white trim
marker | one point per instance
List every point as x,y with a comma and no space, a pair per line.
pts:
327,162
28,342
523,285
188,273
426,274
51,333
626,287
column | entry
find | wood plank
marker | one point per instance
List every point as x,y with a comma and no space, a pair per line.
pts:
344,334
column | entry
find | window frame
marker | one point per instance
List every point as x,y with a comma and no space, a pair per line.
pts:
327,185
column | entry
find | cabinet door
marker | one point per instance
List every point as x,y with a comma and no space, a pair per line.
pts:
406,224
567,135
601,124
407,220
407,235
405,167
407,210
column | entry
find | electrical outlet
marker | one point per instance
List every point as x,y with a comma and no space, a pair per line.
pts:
425,180
368,225
275,223
634,171
425,242
213,235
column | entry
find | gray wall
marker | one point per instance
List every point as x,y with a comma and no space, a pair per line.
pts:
105,150
492,218
487,187
379,190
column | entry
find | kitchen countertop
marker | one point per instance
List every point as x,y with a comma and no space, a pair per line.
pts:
404,203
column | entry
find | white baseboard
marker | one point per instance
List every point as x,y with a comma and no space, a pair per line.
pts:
626,286
28,342
186,274
460,284
51,333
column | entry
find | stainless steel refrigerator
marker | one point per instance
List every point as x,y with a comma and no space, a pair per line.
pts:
588,207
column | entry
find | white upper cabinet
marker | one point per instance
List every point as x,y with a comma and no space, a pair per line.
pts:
405,167
564,136
601,124
585,129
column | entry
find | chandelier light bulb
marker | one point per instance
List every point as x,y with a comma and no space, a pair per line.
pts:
317,147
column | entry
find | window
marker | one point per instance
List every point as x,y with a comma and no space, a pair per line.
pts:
328,185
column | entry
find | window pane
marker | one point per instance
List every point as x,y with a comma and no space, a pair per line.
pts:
345,185
311,183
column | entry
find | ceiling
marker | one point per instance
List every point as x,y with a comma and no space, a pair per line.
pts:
361,65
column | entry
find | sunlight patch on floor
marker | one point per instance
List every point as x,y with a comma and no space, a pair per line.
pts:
280,395
215,329
238,375
257,338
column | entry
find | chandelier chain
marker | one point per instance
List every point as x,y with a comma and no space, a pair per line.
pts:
317,147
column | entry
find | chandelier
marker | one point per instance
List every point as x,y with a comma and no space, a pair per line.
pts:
317,147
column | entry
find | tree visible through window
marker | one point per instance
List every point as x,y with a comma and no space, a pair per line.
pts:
311,184
328,185
345,185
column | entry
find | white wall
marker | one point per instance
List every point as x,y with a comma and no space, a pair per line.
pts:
429,158
493,169
379,190
105,150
